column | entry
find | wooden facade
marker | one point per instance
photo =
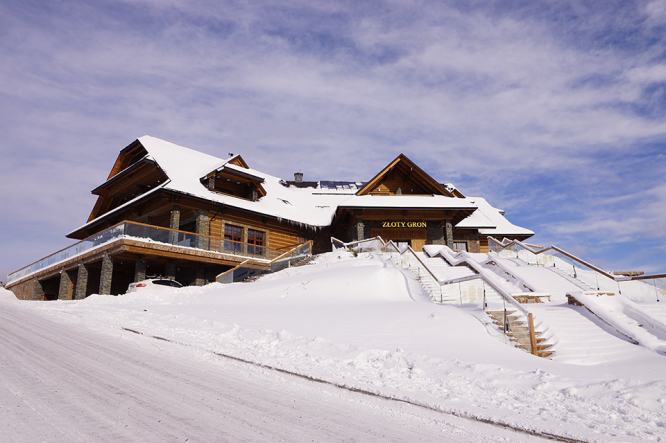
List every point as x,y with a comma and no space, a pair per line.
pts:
224,208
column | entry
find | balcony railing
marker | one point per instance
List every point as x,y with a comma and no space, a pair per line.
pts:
151,234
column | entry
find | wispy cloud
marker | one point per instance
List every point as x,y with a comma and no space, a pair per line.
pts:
553,111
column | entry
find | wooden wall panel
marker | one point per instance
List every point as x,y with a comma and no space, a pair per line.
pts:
278,234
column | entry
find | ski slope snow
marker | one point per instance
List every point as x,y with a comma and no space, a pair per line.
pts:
361,323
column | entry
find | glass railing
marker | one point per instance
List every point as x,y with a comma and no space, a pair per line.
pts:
153,234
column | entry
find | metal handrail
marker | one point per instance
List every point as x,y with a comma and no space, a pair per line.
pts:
455,262
573,257
252,261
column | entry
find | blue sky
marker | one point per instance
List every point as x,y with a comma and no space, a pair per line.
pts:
552,110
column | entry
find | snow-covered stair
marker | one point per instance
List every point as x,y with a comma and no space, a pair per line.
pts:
656,310
442,269
544,279
578,337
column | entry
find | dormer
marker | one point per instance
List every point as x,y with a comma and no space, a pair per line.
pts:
234,178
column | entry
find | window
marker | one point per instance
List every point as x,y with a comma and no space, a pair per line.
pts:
235,234
255,238
459,246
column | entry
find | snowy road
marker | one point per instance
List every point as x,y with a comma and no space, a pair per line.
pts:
68,383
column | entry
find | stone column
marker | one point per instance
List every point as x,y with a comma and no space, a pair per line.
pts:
37,290
448,229
170,270
140,270
360,230
211,183
435,234
200,276
81,282
65,288
107,275
174,223
201,229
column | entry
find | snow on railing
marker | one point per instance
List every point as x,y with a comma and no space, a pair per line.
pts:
637,288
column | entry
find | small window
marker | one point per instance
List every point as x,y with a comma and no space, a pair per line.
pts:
255,238
460,246
235,235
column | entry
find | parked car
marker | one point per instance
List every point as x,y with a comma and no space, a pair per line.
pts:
159,283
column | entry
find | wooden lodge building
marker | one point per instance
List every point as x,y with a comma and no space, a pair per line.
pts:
172,211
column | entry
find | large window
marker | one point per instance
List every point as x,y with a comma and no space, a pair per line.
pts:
255,238
235,234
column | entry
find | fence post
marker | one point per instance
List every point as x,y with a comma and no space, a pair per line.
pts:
533,342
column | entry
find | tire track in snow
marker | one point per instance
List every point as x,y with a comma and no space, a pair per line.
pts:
452,412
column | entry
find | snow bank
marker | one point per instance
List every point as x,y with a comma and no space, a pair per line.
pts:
6,294
361,323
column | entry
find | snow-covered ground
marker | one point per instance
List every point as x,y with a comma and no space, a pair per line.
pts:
361,323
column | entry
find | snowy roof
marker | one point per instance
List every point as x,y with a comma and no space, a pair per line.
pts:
476,220
408,202
502,226
186,167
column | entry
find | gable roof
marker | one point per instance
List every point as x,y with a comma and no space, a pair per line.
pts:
414,173
185,168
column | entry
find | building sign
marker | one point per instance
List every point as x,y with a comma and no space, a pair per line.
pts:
403,224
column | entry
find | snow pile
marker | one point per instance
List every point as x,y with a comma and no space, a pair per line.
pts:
361,323
6,294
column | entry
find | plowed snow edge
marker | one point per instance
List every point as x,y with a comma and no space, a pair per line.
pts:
452,412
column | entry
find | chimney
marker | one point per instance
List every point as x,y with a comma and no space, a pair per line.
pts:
298,177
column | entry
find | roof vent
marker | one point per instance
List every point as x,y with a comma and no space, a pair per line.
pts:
298,177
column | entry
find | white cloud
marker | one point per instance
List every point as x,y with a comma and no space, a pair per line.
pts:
504,97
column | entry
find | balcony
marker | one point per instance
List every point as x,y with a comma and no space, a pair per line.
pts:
154,238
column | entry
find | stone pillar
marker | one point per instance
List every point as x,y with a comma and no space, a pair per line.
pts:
140,270
435,234
65,288
448,229
200,276
170,270
81,282
107,275
201,229
174,223
360,230
37,290
211,183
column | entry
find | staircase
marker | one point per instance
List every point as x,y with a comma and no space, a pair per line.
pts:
518,331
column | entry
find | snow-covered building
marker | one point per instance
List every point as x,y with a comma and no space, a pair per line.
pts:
173,211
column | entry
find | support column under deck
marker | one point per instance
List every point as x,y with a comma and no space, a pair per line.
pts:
140,270
81,282
65,288
37,290
107,275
